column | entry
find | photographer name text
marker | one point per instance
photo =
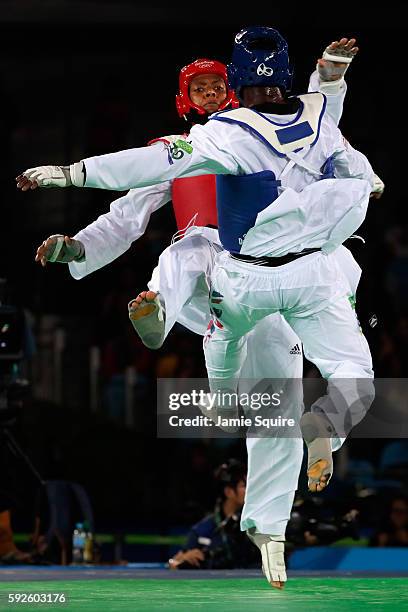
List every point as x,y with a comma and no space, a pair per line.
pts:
241,421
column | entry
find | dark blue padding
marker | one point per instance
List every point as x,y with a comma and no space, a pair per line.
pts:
292,133
327,169
239,200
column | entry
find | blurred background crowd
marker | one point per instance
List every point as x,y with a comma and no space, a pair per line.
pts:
85,78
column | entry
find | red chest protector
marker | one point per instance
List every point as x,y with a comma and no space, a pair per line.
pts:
195,195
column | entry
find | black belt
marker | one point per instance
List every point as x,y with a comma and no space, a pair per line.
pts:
272,262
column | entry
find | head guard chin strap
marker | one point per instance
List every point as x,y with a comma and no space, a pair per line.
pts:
259,59
184,104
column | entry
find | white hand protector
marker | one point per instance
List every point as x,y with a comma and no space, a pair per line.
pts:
378,186
58,250
337,60
49,176
338,54
333,65
57,176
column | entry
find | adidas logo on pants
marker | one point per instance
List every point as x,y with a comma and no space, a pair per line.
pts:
295,350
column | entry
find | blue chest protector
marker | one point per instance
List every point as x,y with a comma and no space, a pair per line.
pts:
239,200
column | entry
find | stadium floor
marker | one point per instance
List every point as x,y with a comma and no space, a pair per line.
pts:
148,591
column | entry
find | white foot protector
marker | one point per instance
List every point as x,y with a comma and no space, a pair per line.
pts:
148,321
316,430
273,559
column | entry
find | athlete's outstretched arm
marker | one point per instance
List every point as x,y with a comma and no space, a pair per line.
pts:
107,237
141,167
328,78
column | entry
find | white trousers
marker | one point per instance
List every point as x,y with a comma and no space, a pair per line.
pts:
313,294
183,280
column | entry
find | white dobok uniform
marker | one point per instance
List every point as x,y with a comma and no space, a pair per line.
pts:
182,280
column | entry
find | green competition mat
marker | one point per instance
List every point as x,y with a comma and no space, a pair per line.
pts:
304,594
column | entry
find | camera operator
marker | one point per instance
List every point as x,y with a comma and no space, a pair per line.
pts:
216,541
317,522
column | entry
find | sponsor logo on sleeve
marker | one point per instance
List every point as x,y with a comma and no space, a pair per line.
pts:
184,145
177,149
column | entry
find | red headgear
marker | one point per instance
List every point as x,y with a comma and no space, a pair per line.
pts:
187,74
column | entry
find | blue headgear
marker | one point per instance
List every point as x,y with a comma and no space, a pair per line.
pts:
260,58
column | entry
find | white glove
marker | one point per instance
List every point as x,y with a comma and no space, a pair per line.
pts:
378,186
57,176
49,176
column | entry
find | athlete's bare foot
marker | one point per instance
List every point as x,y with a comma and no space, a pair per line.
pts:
146,314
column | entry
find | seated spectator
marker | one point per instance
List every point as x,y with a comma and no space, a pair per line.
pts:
394,529
216,541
